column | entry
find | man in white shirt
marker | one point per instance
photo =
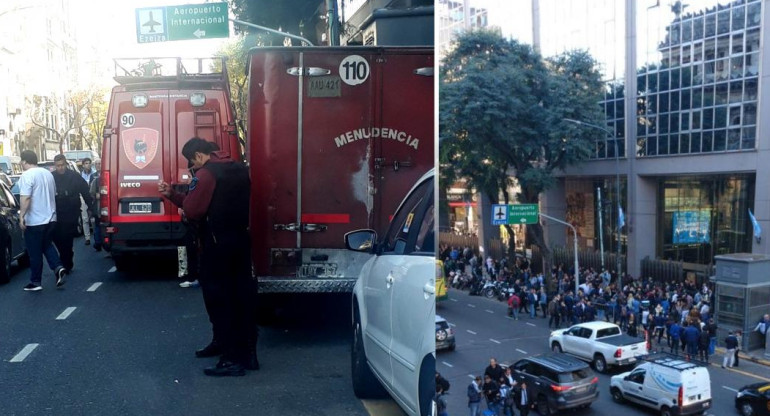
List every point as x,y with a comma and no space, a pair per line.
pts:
38,217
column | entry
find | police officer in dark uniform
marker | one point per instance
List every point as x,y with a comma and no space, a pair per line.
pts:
219,200
69,188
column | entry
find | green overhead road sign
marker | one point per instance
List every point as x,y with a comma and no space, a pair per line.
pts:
185,22
523,214
515,214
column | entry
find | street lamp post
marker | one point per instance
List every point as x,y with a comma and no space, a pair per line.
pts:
574,235
617,175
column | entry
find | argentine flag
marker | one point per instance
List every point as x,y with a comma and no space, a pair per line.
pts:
757,228
621,217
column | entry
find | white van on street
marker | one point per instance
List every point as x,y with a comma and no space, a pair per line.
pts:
666,383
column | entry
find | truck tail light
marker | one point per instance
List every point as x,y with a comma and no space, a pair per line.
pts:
104,197
618,353
681,396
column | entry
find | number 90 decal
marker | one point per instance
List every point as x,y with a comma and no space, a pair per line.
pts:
127,120
354,70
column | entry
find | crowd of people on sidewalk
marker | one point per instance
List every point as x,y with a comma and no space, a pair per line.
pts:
672,315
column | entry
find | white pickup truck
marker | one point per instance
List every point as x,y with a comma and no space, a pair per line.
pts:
600,343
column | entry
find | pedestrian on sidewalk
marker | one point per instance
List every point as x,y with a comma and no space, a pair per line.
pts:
440,401
513,306
731,343
37,215
543,300
674,334
691,337
739,339
762,327
703,345
474,396
491,393
711,327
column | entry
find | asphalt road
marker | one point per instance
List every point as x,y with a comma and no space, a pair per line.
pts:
483,331
127,348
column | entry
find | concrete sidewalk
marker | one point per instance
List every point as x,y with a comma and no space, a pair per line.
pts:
755,356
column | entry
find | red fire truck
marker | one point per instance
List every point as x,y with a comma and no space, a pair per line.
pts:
158,105
336,138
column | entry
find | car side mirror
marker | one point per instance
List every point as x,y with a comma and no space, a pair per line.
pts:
361,240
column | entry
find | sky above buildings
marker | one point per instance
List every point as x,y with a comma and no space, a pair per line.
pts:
107,30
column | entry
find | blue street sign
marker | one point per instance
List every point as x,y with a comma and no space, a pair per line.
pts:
499,214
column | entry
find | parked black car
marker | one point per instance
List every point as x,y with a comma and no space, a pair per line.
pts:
557,381
11,239
753,400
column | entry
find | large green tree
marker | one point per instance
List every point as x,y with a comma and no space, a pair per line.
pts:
298,17
502,110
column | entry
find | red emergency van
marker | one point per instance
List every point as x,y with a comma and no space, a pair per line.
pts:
336,138
159,104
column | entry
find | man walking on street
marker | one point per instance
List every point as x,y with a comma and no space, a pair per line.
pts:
521,396
731,344
37,215
88,174
474,396
70,187
219,199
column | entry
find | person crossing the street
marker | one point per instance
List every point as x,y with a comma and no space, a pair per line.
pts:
37,217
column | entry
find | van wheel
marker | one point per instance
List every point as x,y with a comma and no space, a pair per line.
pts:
365,384
5,263
542,406
556,347
665,411
747,409
600,364
427,385
617,395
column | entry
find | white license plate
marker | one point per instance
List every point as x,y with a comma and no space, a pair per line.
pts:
581,389
139,207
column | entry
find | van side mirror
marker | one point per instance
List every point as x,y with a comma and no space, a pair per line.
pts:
361,240
108,131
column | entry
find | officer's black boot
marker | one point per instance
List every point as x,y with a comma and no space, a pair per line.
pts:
250,361
225,368
211,350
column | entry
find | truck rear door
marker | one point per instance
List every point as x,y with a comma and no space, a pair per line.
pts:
140,161
337,136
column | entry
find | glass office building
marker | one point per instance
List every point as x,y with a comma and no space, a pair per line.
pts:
682,101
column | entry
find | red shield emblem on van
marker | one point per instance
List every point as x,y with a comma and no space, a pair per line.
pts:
140,145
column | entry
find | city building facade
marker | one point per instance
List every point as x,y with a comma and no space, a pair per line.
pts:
682,133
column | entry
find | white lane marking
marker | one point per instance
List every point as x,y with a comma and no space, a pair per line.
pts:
472,376
452,325
730,388
488,311
495,341
67,312
112,270
521,351
509,317
453,300
470,305
470,332
94,287
531,324
447,364
24,353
